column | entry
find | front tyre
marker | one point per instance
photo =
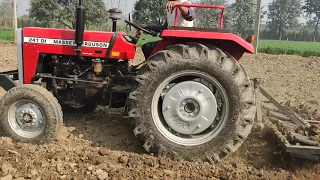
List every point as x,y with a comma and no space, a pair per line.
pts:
31,114
192,102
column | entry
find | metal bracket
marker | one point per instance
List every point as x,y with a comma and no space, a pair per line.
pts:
258,124
7,79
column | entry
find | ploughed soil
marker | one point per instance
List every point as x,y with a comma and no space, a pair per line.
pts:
95,146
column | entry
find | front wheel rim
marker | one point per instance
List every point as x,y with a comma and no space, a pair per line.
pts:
171,116
26,118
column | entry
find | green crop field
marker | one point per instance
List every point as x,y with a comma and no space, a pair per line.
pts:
6,34
300,48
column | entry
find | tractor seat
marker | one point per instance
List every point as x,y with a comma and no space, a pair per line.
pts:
199,29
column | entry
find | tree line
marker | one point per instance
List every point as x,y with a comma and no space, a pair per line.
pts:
282,16
6,14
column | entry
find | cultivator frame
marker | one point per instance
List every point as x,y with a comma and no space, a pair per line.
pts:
294,134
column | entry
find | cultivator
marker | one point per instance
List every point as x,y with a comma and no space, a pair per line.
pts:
298,137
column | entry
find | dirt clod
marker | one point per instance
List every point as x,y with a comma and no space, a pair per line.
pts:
20,178
7,177
7,168
123,159
81,136
34,172
101,174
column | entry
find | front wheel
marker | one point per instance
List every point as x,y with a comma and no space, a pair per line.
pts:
192,102
30,113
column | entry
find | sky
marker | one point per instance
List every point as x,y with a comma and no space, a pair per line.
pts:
126,5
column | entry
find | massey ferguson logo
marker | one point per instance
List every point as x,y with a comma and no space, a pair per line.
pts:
63,42
96,44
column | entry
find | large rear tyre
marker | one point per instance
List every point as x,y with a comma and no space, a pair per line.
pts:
31,114
192,102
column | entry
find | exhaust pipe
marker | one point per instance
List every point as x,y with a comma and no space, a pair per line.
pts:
79,28
114,15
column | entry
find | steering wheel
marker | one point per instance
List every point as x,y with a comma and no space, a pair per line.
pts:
140,28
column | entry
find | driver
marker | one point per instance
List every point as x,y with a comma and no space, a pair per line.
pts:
185,19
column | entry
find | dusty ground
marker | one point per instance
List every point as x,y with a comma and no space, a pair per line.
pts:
98,147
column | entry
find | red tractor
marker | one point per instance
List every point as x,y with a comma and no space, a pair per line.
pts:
190,100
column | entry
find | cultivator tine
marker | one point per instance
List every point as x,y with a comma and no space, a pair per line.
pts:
258,124
296,135
302,139
283,109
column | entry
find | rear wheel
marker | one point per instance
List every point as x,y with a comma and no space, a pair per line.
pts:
30,113
192,102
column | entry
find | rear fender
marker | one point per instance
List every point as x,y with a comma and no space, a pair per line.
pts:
227,42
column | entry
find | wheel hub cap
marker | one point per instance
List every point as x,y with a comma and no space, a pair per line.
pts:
189,107
26,118
29,117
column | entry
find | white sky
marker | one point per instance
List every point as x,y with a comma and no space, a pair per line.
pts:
126,6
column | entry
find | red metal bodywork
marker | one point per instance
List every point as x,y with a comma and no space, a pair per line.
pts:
122,48
227,42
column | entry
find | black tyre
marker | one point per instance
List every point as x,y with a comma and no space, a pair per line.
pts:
81,109
192,102
31,114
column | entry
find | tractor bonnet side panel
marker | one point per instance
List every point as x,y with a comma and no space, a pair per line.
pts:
37,41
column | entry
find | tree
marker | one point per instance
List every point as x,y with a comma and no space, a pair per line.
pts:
263,12
146,11
210,18
63,12
283,14
244,16
6,9
312,8
6,12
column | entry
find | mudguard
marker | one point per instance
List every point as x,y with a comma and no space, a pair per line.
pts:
226,41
